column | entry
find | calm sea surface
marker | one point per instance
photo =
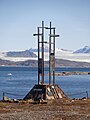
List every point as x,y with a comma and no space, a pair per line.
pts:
16,82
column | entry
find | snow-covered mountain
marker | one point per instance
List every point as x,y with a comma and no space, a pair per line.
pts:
73,56
86,49
81,55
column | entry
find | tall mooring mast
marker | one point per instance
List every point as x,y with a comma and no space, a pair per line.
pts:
41,42
42,91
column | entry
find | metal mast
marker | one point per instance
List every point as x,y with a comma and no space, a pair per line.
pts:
52,36
40,35
42,52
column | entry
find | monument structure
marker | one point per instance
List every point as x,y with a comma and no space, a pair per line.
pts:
41,90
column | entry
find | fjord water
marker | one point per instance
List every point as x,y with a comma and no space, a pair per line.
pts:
16,82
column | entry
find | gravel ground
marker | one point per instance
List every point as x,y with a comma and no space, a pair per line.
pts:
54,110
43,115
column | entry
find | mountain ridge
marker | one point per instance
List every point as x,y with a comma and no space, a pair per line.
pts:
85,49
34,63
25,53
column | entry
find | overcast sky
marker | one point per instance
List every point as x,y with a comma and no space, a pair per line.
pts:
20,18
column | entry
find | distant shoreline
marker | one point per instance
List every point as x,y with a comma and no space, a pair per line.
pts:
44,66
72,73
34,63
